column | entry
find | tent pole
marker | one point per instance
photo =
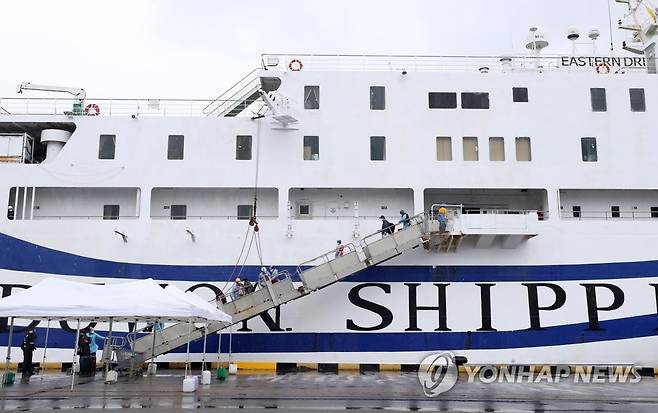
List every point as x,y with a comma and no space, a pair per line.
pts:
108,343
230,344
189,336
45,348
11,334
132,348
75,350
205,336
219,350
153,344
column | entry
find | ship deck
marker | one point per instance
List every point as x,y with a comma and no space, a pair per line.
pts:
312,391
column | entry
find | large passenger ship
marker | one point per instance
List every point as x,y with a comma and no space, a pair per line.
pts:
545,164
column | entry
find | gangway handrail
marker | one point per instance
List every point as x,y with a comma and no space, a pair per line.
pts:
281,275
221,99
416,219
347,249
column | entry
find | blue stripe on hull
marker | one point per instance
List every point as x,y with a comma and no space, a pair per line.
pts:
290,342
19,255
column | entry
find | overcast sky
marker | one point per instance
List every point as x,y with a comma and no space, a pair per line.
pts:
197,48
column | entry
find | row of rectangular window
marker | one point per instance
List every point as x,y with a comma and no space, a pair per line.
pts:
476,100
437,100
471,148
311,149
244,212
615,211
600,102
112,212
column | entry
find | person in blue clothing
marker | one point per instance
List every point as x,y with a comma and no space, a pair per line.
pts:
404,219
93,346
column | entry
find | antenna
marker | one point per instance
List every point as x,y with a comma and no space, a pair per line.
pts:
573,34
593,34
612,44
536,42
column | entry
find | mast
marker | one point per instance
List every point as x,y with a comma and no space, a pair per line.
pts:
644,28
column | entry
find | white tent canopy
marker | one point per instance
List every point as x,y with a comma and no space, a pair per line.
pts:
58,299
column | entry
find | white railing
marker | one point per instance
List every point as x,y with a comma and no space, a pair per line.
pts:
233,95
609,215
421,63
107,107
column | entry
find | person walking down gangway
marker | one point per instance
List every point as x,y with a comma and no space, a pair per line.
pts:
340,249
28,346
404,219
238,289
387,227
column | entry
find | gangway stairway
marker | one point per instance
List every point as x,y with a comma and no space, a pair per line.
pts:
371,250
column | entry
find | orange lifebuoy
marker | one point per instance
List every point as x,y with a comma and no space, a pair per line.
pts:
92,109
295,65
602,68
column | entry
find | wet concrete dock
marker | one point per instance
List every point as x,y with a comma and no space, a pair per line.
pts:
315,392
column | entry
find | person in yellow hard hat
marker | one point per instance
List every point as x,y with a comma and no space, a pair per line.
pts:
237,290
442,217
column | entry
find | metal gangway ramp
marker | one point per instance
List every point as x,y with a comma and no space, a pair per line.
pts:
314,274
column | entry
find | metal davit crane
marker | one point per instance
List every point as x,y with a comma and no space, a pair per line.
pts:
79,93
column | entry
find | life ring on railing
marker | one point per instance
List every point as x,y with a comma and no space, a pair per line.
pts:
602,69
92,109
295,65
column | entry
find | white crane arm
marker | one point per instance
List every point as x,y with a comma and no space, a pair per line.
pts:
79,93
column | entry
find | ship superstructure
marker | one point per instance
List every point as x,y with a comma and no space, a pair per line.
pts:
544,163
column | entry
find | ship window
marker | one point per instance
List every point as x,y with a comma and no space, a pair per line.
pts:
106,146
311,97
110,211
588,148
303,210
443,100
245,211
475,100
377,97
178,212
470,144
614,210
520,94
637,100
311,148
654,212
443,148
377,148
11,213
523,151
243,148
176,147
496,149
575,210
599,103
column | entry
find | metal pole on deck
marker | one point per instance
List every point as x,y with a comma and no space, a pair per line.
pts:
45,349
75,350
230,344
189,335
219,349
11,334
155,324
205,336
108,344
